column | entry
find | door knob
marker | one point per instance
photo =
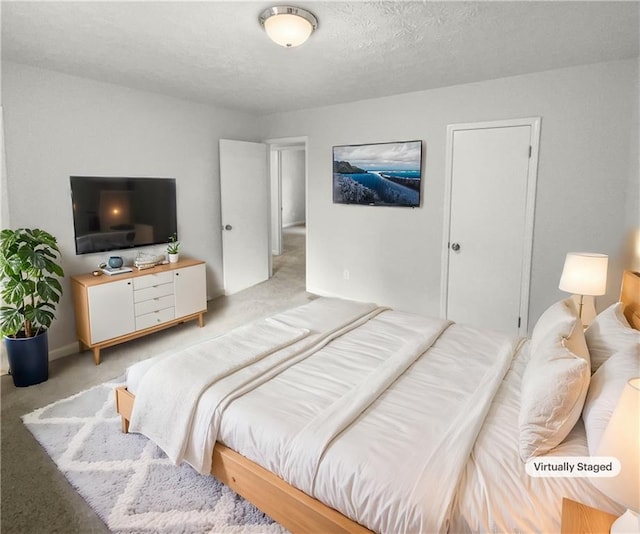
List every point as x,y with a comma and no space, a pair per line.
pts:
228,227
455,247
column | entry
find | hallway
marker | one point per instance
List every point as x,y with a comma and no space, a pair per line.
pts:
290,266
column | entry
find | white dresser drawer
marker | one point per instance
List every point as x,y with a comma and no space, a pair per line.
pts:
154,318
153,292
155,304
140,282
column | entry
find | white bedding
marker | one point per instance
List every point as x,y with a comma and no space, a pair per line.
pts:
180,398
170,390
411,456
495,492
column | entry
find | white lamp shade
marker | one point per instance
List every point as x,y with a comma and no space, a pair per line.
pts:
584,273
288,29
621,440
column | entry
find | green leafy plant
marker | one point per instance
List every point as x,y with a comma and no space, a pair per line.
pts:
29,286
174,245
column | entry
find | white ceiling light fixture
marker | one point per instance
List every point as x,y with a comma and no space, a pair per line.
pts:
288,26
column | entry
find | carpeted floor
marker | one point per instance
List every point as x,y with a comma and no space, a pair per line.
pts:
35,495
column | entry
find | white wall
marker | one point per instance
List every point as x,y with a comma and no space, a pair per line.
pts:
58,125
586,170
293,186
587,199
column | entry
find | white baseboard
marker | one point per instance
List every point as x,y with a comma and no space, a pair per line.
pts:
215,294
218,292
322,293
67,350
294,224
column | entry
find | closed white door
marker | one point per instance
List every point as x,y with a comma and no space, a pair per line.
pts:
245,214
490,226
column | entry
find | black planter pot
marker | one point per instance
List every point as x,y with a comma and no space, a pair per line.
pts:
28,359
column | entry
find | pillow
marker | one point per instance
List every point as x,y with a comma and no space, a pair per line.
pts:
604,393
555,382
610,333
555,323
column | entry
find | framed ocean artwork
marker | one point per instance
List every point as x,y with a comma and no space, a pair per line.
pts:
381,174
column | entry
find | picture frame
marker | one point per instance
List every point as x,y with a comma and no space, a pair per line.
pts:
378,174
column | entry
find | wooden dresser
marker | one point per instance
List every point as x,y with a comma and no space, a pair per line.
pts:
113,309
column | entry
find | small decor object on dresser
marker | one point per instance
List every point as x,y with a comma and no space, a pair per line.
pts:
173,249
30,292
115,262
147,261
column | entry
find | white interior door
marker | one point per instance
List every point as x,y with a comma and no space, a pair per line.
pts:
488,252
244,193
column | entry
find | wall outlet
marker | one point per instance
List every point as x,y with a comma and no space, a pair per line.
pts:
345,274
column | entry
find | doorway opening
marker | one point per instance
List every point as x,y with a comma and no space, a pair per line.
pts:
288,185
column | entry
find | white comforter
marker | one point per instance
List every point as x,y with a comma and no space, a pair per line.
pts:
496,494
376,421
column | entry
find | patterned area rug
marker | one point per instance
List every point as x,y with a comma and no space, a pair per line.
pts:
128,481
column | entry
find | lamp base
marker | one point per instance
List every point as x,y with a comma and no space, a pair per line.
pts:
629,522
586,308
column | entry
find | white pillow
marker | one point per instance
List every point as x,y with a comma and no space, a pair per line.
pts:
554,385
610,333
604,393
554,324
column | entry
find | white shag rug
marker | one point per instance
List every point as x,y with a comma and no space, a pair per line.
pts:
128,481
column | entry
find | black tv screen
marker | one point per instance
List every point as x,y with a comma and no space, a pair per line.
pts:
382,174
121,213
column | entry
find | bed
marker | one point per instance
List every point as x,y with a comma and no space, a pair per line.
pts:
346,417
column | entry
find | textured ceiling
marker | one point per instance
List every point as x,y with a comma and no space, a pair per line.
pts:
217,53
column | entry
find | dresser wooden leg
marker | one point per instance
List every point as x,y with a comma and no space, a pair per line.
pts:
96,355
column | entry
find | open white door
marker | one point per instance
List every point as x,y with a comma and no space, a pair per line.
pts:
244,194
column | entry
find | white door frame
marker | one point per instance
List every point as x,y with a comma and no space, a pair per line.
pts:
276,146
275,200
532,178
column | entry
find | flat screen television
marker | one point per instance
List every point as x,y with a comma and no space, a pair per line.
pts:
382,174
120,213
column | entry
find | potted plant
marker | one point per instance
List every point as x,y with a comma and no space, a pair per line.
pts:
173,249
30,290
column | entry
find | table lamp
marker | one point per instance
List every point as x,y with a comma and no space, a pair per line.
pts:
621,440
584,273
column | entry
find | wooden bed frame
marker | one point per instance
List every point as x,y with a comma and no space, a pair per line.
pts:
630,298
292,508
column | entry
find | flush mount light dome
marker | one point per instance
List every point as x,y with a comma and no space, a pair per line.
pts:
288,26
